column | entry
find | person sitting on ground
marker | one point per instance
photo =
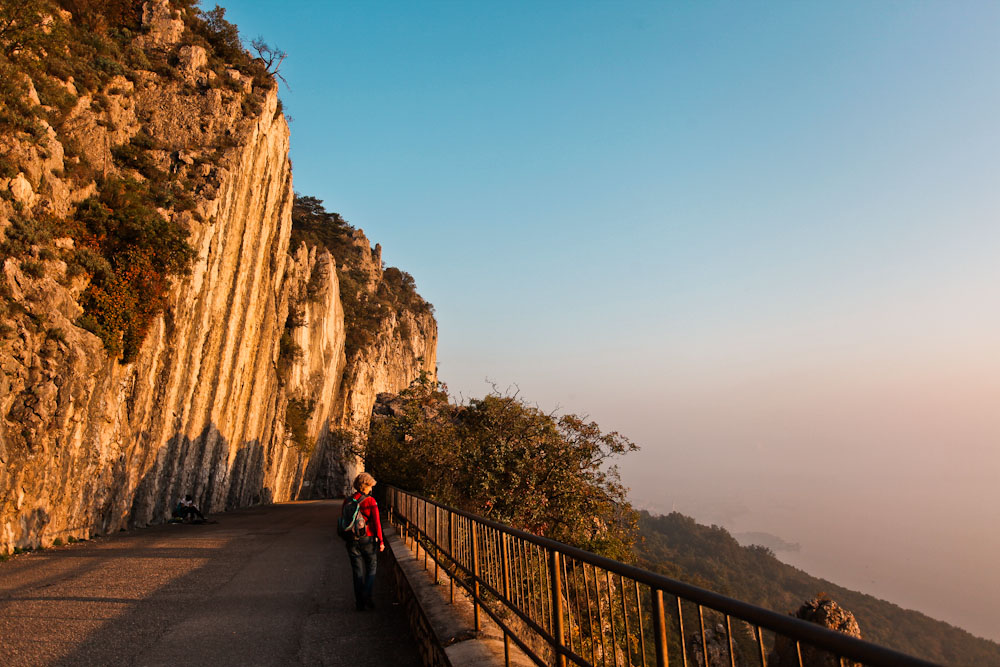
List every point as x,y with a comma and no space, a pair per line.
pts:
187,508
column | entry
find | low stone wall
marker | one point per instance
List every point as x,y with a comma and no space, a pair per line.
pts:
445,631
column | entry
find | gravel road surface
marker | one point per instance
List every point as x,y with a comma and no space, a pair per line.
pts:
262,586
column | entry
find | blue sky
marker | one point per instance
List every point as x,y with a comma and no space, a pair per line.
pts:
760,239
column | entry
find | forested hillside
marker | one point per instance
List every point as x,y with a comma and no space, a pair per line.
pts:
708,556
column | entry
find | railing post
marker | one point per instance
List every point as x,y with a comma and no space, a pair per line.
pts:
451,554
423,529
412,525
388,498
680,630
437,551
505,565
660,629
406,521
555,581
475,575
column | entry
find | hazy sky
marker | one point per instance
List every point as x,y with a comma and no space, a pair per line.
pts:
761,240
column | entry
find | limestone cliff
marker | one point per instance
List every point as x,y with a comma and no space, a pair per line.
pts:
397,342
240,390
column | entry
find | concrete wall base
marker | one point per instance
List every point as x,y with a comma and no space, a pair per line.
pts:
444,630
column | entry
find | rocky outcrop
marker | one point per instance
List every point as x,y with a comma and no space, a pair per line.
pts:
404,346
827,613
716,648
407,345
241,392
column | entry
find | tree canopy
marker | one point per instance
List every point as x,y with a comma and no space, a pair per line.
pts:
508,461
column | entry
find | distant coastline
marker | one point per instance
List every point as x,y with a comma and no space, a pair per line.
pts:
772,542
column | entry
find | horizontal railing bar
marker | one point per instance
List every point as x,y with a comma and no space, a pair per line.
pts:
816,635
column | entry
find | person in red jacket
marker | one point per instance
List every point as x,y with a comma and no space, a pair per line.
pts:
363,551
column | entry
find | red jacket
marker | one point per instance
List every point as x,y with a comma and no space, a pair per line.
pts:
369,509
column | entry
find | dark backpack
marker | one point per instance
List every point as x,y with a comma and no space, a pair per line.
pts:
352,524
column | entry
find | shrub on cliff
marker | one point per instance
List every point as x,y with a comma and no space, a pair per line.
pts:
102,15
313,225
140,250
508,461
297,413
22,42
21,28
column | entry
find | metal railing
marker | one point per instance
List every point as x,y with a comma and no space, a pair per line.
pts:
562,605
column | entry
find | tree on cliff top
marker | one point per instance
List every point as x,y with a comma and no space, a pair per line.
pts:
507,461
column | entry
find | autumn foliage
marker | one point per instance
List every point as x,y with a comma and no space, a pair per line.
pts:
133,250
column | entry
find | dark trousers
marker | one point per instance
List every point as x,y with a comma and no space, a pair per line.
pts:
364,560
184,512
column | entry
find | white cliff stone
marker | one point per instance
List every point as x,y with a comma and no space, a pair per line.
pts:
22,190
165,27
192,58
90,445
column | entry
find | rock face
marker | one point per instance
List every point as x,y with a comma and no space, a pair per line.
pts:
89,445
715,652
822,611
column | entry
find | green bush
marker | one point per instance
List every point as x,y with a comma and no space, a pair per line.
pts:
134,156
52,94
211,30
21,34
8,167
17,113
100,102
32,268
136,58
90,260
288,352
510,462
297,414
115,17
26,231
107,66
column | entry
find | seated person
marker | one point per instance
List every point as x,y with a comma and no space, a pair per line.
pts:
186,508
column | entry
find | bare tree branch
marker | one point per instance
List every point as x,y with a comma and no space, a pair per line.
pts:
271,57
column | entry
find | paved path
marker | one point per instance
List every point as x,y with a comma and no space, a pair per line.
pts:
263,586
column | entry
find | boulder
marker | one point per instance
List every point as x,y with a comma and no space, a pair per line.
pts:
22,190
822,611
192,58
